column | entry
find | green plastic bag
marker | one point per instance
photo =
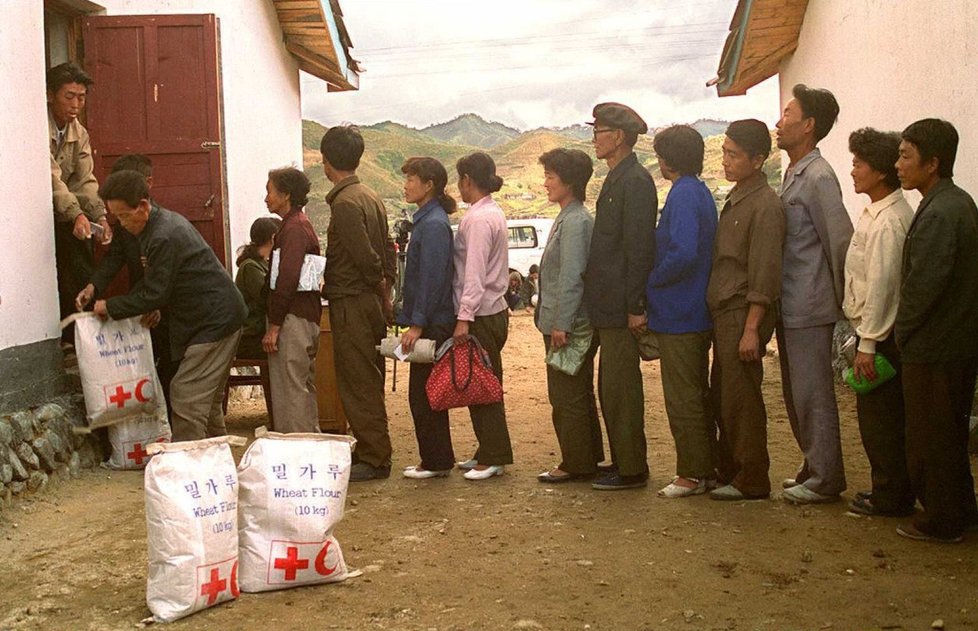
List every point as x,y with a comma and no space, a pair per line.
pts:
884,372
570,357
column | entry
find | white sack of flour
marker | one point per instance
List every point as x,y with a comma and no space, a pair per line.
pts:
191,526
131,439
292,495
115,362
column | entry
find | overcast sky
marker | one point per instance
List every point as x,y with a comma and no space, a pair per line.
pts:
533,63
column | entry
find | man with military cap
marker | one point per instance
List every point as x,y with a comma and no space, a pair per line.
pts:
620,259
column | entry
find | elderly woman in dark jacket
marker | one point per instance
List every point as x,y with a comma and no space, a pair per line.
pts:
560,311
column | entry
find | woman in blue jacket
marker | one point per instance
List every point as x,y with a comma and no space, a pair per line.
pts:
677,311
428,310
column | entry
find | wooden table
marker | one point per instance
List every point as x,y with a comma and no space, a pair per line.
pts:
332,419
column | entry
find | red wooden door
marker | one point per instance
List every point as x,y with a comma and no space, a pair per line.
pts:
157,92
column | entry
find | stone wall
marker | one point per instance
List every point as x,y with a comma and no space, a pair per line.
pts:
39,446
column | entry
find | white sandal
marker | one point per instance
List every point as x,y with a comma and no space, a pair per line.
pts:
673,490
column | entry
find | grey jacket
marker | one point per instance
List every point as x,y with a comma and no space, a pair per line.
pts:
817,235
561,296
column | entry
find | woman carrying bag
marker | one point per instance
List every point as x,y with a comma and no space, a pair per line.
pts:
561,317
481,278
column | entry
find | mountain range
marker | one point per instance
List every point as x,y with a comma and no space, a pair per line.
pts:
389,144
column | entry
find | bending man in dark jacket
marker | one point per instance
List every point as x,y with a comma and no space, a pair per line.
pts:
935,332
619,262
184,280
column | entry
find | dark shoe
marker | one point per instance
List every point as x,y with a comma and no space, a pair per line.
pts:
864,506
361,472
912,532
548,477
617,482
864,494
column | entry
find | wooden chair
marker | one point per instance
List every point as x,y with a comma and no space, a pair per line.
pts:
260,379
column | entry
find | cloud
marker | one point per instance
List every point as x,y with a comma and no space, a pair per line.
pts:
531,64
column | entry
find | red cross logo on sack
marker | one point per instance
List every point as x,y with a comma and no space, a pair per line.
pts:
126,394
138,454
302,562
217,582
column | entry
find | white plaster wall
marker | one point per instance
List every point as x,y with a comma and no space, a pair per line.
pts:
891,63
28,284
262,110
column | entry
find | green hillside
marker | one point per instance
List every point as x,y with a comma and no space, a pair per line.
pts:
389,144
471,129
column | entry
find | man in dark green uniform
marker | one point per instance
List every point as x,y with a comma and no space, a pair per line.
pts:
621,256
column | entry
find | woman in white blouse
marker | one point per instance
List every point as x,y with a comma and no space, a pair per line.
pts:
872,276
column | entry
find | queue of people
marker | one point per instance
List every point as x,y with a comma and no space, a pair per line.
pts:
788,264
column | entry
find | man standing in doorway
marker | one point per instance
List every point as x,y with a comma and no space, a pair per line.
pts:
79,214
619,262
817,235
935,332
359,274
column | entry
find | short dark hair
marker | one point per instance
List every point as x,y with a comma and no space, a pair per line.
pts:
819,104
342,147
751,135
134,162
431,170
67,73
481,169
878,149
631,137
534,269
292,182
125,186
572,166
934,138
681,147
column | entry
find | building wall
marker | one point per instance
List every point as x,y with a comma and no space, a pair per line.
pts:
28,285
262,113
889,64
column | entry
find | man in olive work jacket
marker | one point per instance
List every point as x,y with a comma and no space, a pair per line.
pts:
619,262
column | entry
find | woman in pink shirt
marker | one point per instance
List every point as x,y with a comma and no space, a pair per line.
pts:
481,278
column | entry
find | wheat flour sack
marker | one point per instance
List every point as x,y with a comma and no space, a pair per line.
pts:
115,362
130,439
191,526
293,491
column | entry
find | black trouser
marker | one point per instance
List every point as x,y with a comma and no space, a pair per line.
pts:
75,262
575,415
938,398
882,426
489,421
430,427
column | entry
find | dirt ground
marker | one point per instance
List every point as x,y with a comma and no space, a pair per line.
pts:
511,553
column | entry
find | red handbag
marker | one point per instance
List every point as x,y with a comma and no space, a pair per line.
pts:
462,376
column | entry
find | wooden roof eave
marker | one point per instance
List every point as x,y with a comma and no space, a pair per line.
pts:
307,36
762,33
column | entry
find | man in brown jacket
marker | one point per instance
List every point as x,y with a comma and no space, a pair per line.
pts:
79,213
360,264
745,283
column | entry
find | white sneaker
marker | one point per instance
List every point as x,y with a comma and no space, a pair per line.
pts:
467,465
801,494
483,474
416,473
787,483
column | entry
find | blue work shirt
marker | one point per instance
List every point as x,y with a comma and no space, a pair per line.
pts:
429,270
676,288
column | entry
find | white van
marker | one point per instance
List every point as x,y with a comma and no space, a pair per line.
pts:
527,239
